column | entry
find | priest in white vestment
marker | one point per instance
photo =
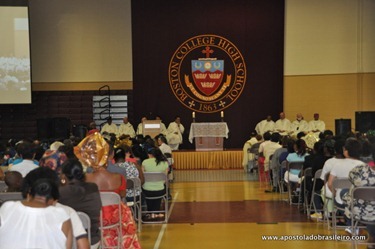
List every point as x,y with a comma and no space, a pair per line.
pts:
109,127
126,128
266,125
140,126
174,136
163,129
299,125
283,125
316,125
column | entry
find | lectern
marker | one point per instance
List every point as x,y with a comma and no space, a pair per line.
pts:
151,128
208,136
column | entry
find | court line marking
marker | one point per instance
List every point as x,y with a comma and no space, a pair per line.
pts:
164,226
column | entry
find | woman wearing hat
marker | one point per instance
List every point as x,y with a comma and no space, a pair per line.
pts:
93,152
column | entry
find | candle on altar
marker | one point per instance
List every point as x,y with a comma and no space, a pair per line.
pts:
193,114
222,114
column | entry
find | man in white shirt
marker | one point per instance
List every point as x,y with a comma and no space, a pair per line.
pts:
299,125
283,125
265,125
316,125
270,148
26,151
174,136
126,128
109,127
266,140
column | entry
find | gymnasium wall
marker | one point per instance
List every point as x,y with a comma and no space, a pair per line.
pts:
329,59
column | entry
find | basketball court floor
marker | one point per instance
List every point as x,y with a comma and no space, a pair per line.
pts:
229,209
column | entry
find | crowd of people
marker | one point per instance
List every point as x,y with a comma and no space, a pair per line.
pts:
350,156
64,177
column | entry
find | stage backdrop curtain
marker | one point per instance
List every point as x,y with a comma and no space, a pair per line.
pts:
256,27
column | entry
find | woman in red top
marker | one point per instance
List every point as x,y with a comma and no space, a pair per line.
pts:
93,152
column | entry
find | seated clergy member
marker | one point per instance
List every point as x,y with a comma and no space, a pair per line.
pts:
299,125
109,127
316,125
283,125
126,128
140,126
266,125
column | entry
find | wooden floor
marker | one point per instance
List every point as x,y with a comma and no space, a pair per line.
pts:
229,209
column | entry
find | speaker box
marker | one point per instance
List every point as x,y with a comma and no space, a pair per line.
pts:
364,121
61,128
79,131
343,126
44,127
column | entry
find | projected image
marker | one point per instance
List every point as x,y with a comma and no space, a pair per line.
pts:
15,81
14,73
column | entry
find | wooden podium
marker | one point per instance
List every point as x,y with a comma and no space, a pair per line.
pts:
151,128
208,136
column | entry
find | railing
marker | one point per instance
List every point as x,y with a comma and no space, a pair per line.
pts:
105,102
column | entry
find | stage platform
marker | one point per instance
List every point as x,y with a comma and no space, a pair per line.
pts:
191,159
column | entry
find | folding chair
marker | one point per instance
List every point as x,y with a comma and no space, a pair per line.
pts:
297,166
328,202
367,195
135,185
158,177
282,181
307,175
10,196
253,162
3,186
170,164
268,176
338,183
111,199
312,204
86,222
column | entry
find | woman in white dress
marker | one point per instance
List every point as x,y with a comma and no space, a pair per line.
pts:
39,224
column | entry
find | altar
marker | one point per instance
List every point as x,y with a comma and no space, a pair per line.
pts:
208,136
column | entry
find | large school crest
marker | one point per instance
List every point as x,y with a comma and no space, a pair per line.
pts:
207,73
